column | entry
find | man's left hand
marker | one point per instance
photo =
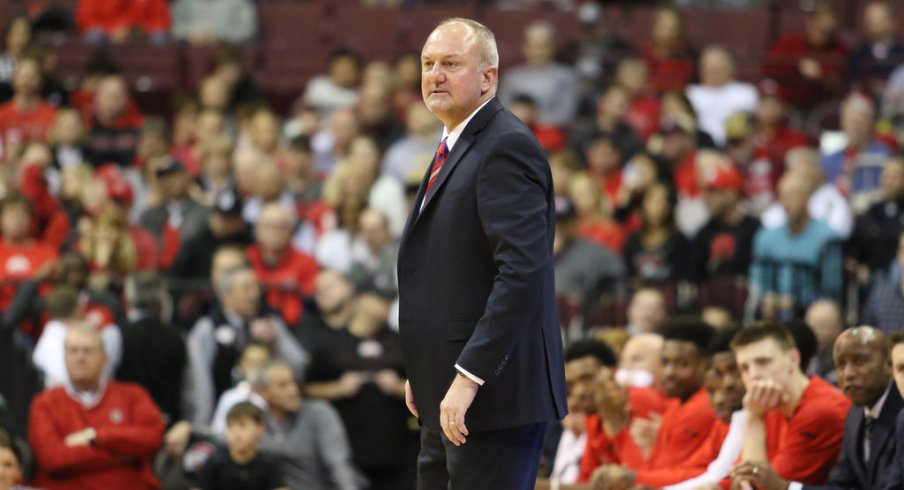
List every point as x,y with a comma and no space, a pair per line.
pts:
454,406
80,438
761,475
612,477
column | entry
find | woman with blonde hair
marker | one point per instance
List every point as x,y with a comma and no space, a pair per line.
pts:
107,244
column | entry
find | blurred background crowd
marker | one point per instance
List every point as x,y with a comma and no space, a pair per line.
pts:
218,187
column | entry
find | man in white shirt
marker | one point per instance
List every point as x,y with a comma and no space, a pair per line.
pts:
719,95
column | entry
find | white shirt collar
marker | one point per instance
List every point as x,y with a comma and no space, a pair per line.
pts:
876,409
88,399
452,136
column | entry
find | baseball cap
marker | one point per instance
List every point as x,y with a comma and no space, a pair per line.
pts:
724,179
169,166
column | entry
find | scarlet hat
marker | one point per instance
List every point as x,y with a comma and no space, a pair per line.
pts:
724,179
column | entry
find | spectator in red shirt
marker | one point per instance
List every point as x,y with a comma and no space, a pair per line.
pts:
672,62
595,221
93,433
113,133
794,424
633,76
26,117
286,274
550,138
21,256
121,20
809,66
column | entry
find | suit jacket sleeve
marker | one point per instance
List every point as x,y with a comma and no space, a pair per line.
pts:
513,189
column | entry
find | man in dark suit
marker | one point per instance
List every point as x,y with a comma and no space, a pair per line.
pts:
864,367
477,314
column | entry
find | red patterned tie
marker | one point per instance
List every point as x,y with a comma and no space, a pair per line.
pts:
438,159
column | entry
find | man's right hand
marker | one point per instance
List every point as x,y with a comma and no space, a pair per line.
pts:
176,438
763,395
409,399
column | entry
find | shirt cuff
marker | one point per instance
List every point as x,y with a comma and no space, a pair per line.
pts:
469,375
795,485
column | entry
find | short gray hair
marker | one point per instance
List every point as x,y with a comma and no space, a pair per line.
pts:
489,53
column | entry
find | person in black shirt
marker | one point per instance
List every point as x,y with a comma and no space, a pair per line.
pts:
241,467
722,248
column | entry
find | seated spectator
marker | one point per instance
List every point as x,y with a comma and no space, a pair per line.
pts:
552,85
719,95
856,169
178,217
374,110
761,145
11,463
218,337
26,117
809,66
633,75
722,248
332,143
873,244
796,263
204,23
225,226
50,223
153,352
593,213
639,364
794,423
215,159
208,125
268,186
524,107
412,154
563,166
306,436
610,120
376,270
825,318
646,310
286,274
67,139
686,424
826,203
254,357
108,246
884,307
119,21
113,129
658,251
241,465
672,62
881,52
677,109
21,256
565,443
583,268
91,432
64,310
339,88
359,370
863,356
16,40
604,165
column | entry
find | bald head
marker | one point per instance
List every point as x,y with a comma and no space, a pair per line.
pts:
641,354
863,364
824,318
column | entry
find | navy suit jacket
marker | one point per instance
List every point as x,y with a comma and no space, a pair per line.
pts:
895,479
851,472
476,282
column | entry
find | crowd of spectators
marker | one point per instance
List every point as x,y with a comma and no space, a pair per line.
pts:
194,288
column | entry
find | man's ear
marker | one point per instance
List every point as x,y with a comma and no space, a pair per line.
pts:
794,354
489,79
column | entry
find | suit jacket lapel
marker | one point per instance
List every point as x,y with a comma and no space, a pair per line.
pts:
477,123
883,430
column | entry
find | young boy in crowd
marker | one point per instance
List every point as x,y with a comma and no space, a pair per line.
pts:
241,467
